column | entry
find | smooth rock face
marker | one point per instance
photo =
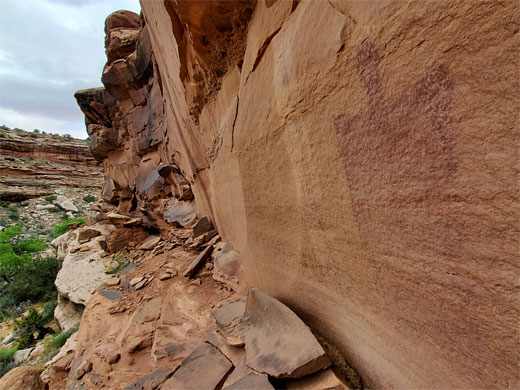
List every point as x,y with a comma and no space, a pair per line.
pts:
277,342
361,157
25,377
205,368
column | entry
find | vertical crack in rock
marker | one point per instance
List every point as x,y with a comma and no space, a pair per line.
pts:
233,129
263,48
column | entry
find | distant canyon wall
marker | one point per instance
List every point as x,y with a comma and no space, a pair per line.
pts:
362,157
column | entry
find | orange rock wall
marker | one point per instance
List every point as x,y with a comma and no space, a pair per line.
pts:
362,157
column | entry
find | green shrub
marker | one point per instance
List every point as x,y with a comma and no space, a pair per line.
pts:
34,281
64,216
13,213
62,227
23,277
7,359
117,268
4,203
31,245
54,210
30,328
46,186
48,308
89,198
33,135
50,198
7,353
9,233
55,342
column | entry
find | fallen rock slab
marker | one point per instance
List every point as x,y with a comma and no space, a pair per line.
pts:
252,381
117,219
84,367
112,282
85,234
122,237
277,342
204,368
21,355
202,226
198,262
152,381
239,372
325,379
65,203
150,243
136,280
236,354
231,313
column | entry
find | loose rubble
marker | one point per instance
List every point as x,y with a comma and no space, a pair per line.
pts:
149,328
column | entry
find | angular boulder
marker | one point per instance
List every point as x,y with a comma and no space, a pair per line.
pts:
277,342
65,203
179,212
85,234
67,314
152,381
22,378
204,368
226,263
123,236
252,381
21,355
82,272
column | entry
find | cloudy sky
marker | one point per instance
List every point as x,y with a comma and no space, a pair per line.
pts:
48,50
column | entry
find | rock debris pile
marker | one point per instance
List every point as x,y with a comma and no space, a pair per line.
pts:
170,320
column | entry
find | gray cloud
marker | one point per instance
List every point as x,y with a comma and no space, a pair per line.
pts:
48,50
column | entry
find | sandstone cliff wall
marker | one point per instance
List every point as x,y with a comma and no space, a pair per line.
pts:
362,157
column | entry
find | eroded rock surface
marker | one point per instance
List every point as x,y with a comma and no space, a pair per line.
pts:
28,160
25,377
83,271
361,157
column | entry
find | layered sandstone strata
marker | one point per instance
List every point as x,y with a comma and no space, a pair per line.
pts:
28,160
360,156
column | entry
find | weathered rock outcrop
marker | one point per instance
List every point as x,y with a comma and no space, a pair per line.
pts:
361,157
24,377
28,160
83,267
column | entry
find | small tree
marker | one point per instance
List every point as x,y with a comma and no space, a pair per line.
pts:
31,328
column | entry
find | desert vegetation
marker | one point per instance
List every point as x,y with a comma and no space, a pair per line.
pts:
28,295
